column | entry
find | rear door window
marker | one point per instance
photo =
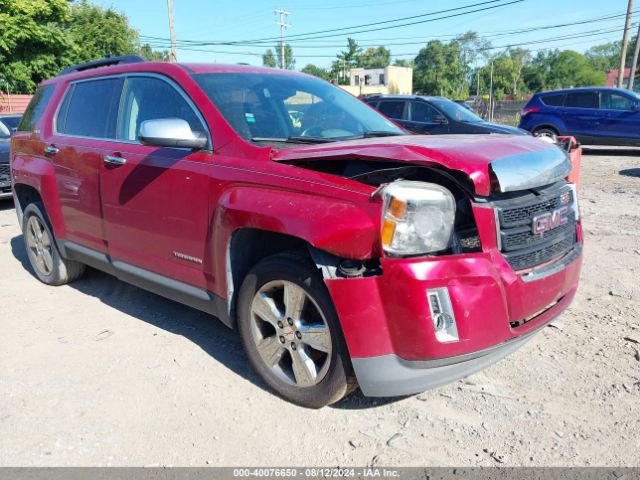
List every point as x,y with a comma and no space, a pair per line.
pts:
422,113
90,108
556,100
392,109
582,100
35,109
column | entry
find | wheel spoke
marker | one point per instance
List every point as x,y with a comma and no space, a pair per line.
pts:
40,262
271,350
47,260
294,300
31,241
33,228
265,308
46,241
316,336
303,368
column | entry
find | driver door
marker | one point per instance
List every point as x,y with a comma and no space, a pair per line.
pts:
155,200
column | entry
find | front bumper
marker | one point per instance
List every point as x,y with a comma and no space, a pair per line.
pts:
389,331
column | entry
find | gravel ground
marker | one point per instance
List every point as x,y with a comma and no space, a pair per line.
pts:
103,373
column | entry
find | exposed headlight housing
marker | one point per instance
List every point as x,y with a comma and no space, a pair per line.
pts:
418,218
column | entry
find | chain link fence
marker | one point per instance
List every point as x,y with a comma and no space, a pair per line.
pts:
506,112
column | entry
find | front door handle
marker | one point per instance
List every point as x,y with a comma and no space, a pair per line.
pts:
114,161
51,150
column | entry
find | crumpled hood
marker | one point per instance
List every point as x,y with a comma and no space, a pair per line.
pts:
518,161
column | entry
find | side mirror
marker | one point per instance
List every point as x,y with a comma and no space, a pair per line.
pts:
170,132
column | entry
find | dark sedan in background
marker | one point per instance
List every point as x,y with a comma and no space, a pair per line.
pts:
435,115
8,124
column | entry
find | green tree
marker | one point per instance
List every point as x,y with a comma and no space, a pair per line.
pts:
311,69
98,33
404,63
605,57
438,70
347,59
374,57
269,59
33,44
152,55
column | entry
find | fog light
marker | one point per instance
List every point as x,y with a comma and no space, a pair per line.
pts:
444,321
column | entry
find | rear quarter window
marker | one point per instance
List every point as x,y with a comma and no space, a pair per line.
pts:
35,109
556,100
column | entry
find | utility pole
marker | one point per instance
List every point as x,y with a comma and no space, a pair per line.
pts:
282,22
173,56
625,42
491,94
634,63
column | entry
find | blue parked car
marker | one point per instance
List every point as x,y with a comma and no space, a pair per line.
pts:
595,115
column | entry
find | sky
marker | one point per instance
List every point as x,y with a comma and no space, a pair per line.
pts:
248,21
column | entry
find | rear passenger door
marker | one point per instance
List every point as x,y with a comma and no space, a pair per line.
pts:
85,127
395,110
155,200
581,114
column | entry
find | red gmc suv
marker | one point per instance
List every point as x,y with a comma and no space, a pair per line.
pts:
344,251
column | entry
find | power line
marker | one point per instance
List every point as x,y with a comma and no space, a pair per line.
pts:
503,33
593,34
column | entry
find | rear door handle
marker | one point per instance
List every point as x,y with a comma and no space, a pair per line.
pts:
51,150
114,161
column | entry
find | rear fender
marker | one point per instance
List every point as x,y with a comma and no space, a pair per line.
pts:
39,174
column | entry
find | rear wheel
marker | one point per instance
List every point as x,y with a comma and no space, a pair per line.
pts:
546,132
43,253
291,333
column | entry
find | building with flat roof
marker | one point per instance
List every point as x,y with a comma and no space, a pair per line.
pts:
384,80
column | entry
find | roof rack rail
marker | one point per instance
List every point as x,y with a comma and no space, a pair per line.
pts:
105,62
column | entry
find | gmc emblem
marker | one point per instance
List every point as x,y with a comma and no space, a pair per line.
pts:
548,221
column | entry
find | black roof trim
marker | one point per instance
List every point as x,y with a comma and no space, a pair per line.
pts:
105,62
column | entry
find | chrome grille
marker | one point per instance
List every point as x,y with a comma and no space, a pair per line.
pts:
523,248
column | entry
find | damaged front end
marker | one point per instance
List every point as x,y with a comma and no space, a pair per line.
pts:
480,251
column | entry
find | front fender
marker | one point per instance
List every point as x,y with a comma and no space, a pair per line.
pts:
340,227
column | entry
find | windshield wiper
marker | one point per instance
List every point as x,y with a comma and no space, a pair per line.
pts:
293,139
380,133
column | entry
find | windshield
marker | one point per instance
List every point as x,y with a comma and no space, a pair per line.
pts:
456,111
264,107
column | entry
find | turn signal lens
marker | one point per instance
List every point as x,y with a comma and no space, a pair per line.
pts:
388,229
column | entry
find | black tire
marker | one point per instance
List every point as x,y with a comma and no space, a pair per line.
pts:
546,132
339,380
56,270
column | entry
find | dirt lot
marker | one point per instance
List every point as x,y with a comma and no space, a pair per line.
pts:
102,373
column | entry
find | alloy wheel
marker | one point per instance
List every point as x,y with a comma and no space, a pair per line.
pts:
39,243
291,333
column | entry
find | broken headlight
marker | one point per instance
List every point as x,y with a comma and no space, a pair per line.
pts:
418,218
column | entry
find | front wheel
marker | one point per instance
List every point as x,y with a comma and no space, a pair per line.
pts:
291,333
